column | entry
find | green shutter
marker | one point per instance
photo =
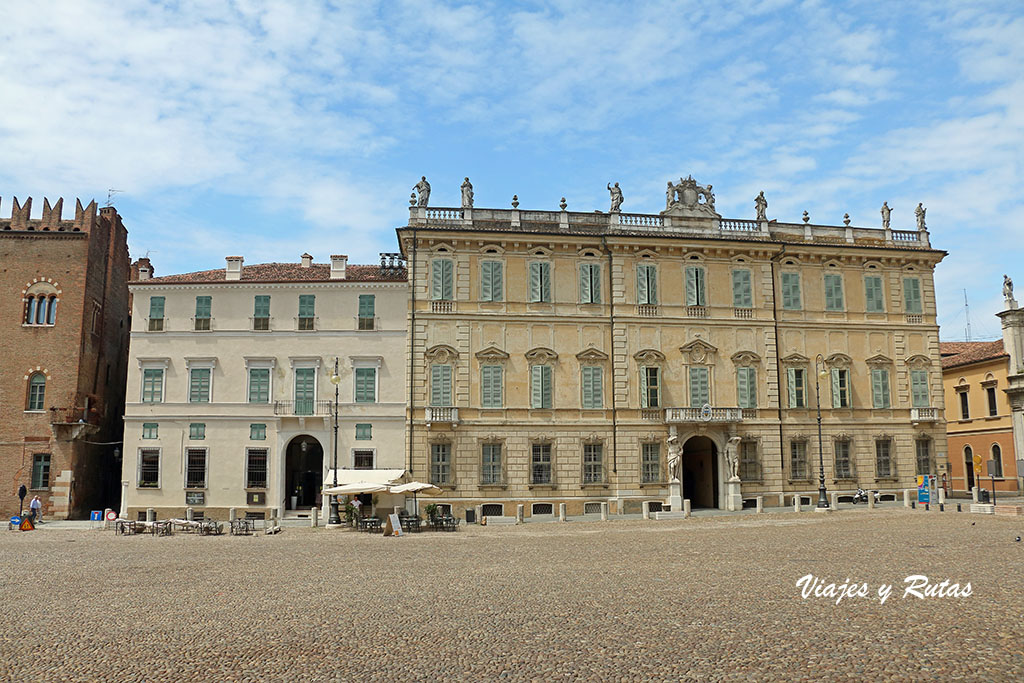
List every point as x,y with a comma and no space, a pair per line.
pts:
833,292
486,288
644,399
699,394
259,385
199,385
746,379
535,283
919,388
204,305
836,397
791,291
366,389
440,386
592,390
912,295
879,387
496,281
546,376
441,280
307,305
366,305
641,285
691,285
874,301
742,295
490,386
261,306
305,384
540,389
791,386
156,307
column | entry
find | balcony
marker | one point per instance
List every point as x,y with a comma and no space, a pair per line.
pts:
442,306
924,415
705,414
69,424
647,310
304,407
441,416
696,311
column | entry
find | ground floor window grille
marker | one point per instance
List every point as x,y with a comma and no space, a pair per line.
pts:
441,463
650,466
362,459
924,456
256,515
195,471
540,463
798,460
592,508
198,515
654,505
149,468
493,510
844,466
883,458
543,509
750,467
256,468
593,463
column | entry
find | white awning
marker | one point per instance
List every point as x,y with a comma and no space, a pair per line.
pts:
347,476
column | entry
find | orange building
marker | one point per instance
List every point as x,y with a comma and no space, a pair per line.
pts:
978,416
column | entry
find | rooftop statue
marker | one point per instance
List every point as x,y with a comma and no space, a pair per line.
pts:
1007,287
423,188
616,197
467,194
762,206
919,214
886,212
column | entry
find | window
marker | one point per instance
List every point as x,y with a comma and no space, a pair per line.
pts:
746,387
990,393
307,311
919,389
540,282
490,386
257,432
912,295
646,284
195,468
924,456
41,309
844,466
441,279
156,313
366,385
362,459
36,391
997,461
367,311
590,283
364,432
441,464
695,295
650,387
261,312
440,386
150,430
791,291
152,385
590,381
540,387
700,390
593,463
490,464
796,388
197,431
149,468
255,468
965,411
203,309
305,390
650,463
798,460
742,291
873,297
540,463
880,388
51,311
883,458
490,280
750,467
41,471
259,385
199,385
840,388
833,292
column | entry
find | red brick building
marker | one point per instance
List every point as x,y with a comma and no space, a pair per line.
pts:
63,357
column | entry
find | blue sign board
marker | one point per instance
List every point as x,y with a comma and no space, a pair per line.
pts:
96,516
15,520
924,489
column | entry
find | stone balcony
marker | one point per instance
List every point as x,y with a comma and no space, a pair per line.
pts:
704,414
449,416
924,415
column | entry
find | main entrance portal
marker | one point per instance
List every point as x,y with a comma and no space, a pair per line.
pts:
304,472
700,472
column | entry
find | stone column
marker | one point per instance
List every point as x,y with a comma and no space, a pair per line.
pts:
646,507
796,503
675,495
561,512
519,513
150,515
760,504
686,508
604,512
734,499
124,498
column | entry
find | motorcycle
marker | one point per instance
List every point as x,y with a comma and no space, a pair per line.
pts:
862,496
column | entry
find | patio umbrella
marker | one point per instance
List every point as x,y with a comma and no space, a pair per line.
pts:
415,487
356,488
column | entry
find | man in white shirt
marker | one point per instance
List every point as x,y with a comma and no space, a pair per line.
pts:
36,506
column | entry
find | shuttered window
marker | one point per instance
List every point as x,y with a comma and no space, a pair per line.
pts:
150,430
440,386
490,280
366,385
156,307
305,390
796,388
746,387
883,458
199,385
152,385
367,311
700,391
540,282
695,294
540,387
204,305
840,388
197,431
912,295
590,380
791,291
364,432
742,291
646,284
261,306
873,296
307,311
650,387
441,279
490,386
259,385
919,397
880,388
843,464
833,292
258,432
590,283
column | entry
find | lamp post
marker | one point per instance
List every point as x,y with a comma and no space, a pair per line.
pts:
822,497
335,518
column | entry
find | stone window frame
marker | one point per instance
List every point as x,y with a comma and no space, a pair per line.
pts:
999,461
493,440
372,450
441,354
161,364
442,252
541,357
919,363
652,440
650,358
268,363
589,442
366,363
542,440
989,384
47,477
149,450
40,290
648,259
962,389
491,253
30,400
205,484
204,363
539,254
249,452
797,361
747,359
195,428
881,362
841,364
874,269
757,460
492,355
592,357
699,353
441,440
848,440
807,474
833,268
893,469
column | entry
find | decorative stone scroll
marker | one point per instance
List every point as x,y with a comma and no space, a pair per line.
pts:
541,356
649,357
442,354
699,351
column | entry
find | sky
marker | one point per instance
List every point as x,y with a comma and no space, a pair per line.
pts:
266,129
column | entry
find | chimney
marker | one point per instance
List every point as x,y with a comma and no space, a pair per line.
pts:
144,268
234,269
338,263
307,260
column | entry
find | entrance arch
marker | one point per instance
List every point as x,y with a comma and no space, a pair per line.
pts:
303,472
700,472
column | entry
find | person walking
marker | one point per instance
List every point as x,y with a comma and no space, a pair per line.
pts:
36,506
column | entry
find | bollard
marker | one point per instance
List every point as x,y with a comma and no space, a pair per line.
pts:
646,507
974,494
913,505
906,498
561,512
519,514
835,500
782,500
150,515
604,512
942,507
760,504
232,514
686,508
796,503
314,519
871,500
942,496
190,514
479,514
927,507
106,524
958,508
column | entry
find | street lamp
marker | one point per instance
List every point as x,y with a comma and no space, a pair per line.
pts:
335,518
822,498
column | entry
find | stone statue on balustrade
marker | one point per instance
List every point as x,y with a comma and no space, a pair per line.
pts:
886,213
675,459
423,189
919,215
732,458
761,204
687,198
467,194
616,197
1007,288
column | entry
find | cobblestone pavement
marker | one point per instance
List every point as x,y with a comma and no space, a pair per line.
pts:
710,598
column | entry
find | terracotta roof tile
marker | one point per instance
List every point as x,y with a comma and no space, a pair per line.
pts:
955,354
286,272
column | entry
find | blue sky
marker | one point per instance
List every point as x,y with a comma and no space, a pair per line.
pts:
269,128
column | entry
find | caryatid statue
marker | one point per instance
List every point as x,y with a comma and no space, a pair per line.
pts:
616,197
423,189
675,458
886,213
919,215
1007,288
467,194
732,457
762,206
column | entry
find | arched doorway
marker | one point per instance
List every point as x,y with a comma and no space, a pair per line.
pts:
303,472
700,472
969,466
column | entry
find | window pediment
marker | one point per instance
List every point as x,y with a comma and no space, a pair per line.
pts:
441,353
492,354
745,359
649,357
919,361
796,359
591,355
699,351
541,356
838,360
879,359
492,250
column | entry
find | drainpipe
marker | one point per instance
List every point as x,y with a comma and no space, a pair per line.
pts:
411,278
778,358
611,334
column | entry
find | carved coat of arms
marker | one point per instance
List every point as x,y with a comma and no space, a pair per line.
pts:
687,198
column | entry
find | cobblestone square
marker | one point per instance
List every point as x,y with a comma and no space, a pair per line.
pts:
702,599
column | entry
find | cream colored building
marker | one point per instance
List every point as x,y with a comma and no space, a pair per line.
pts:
555,354
230,398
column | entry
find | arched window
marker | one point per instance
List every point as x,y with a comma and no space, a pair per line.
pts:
997,457
51,310
40,310
36,391
41,302
30,311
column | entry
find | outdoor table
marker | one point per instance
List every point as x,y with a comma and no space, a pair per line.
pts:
162,528
410,523
372,524
242,527
210,527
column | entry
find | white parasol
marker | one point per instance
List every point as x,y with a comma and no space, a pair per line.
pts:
415,487
356,488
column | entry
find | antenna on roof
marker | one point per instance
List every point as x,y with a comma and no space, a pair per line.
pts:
110,196
967,315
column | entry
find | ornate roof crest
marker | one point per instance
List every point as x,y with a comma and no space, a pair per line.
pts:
687,198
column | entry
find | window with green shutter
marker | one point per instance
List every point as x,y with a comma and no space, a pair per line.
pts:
791,291
150,430
746,386
257,432
912,295
591,380
156,313
261,312
41,471
364,432
742,291
919,397
490,386
366,385
590,283
880,388
442,279
367,311
695,294
152,385
540,387
540,282
199,385
490,280
305,390
307,311
796,388
646,284
650,387
840,388
197,431
440,386
700,390
873,297
259,385
204,306
833,292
